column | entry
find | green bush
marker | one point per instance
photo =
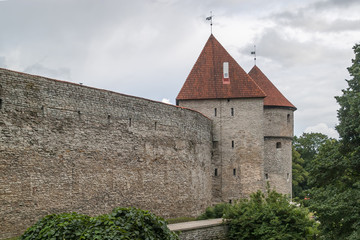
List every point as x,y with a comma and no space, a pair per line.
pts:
120,224
58,226
268,218
216,211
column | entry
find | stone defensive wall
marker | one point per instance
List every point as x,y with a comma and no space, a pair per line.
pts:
66,147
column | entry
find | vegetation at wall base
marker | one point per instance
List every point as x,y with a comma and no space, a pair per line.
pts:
216,211
121,224
269,217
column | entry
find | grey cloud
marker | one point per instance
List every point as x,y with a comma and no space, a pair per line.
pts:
321,5
312,22
38,69
272,44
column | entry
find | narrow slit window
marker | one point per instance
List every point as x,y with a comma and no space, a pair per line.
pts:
108,117
215,172
155,125
288,118
266,176
230,201
288,176
232,144
129,122
0,103
232,111
278,145
215,144
234,171
215,112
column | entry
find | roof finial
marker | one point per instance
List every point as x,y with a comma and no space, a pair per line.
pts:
254,53
210,19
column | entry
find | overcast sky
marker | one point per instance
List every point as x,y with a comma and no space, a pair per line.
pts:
147,48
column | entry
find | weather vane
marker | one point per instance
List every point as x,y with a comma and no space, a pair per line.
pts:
210,19
254,53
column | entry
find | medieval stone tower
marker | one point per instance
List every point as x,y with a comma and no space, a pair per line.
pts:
252,124
66,147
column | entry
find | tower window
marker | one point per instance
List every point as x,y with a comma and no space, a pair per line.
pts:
129,122
155,125
278,145
232,144
215,144
216,172
232,111
230,201
288,118
215,112
266,176
288,176
226,79
234,171
0,103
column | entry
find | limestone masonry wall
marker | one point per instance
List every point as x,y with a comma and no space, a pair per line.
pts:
238,145
66,147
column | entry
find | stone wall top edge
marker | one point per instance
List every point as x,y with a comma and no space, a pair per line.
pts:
98,89
177,100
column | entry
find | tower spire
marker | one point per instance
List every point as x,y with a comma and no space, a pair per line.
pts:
210,19
254,53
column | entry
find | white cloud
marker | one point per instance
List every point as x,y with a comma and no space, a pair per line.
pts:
165,100
324,129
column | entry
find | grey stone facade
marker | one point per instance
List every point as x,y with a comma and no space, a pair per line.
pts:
238,145
66,147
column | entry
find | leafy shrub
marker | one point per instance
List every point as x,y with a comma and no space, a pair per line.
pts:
271,217
120,224
216,211
58,226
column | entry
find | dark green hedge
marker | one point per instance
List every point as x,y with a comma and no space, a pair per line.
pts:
121,223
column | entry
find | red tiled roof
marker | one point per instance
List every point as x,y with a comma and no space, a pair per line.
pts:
273,96
205,80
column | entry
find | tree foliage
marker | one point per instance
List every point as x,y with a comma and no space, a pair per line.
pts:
121,224
305,149
216,211
299,174
335,173
271,217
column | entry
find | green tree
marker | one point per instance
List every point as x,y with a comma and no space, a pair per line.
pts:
299,175
271,217
335,173
306,146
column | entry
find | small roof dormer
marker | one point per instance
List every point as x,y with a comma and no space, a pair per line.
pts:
216,75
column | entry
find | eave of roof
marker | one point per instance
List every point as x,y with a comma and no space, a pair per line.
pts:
274,98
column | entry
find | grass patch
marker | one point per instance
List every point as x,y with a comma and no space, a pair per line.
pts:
13,238
180,220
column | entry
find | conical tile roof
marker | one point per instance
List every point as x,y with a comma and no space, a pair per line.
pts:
205,80
273,96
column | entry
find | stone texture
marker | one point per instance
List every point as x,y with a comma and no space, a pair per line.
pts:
279,128
238,145
211,229
66,147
